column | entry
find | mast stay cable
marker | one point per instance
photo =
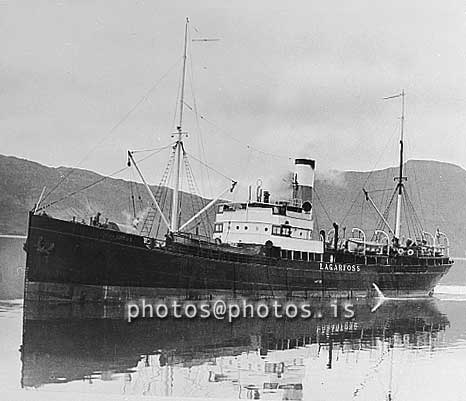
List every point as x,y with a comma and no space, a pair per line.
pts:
115,127
42,208
323,207
390,138
98,181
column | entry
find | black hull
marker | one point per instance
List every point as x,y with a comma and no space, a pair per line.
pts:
69,261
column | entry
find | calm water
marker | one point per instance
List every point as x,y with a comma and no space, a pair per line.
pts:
408,350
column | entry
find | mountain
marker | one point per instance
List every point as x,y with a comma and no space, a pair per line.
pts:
436,190
22,181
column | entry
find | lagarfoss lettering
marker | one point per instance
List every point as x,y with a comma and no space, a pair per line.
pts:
339,267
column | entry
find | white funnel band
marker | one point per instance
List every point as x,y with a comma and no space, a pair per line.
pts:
304,172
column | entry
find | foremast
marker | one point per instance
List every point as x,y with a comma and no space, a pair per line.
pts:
175,215
179,155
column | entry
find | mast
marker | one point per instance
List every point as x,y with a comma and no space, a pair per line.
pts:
179,142
400,176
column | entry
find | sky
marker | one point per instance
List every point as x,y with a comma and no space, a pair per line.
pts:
83,81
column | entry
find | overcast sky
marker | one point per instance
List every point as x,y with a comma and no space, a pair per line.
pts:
289,78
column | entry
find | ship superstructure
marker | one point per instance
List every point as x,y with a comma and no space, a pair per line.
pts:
288,225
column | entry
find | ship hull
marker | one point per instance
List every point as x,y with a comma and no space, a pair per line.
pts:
79,263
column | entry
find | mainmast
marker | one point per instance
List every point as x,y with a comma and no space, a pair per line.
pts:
400,177
179,142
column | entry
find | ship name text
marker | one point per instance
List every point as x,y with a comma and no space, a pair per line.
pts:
339,267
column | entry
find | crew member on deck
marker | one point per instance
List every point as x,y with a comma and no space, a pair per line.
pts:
95,220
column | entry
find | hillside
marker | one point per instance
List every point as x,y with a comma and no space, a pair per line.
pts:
437,190
21,182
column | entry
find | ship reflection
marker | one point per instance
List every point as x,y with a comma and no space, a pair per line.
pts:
248,358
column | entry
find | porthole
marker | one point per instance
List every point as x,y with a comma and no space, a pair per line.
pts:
237,227
245,227
266,229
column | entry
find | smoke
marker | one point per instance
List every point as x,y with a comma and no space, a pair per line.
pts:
280,186
135,223
332,177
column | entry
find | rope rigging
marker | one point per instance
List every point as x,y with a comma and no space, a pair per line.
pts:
200,137
178,149
197,202
413,224
390,139
114,127
42,208
380,223
220,130
211,168
416,222
323,207
133,188
404,207
151,213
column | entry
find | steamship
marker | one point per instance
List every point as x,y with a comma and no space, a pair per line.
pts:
260,247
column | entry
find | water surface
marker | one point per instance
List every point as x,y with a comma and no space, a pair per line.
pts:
406,350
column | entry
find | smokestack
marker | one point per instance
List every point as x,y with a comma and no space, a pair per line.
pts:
304,182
